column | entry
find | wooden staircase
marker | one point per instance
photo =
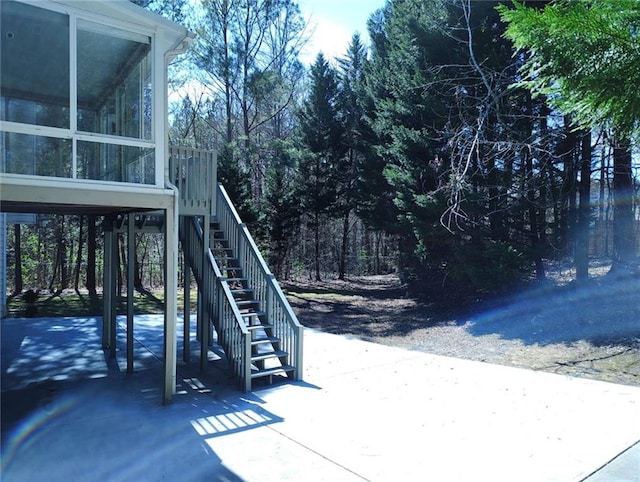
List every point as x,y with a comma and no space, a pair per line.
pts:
238,295
268,359
240,298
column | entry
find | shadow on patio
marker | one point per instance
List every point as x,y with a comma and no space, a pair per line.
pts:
69,412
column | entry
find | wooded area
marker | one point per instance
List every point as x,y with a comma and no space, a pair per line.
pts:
464,148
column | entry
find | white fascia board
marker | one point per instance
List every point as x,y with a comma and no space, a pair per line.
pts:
126,13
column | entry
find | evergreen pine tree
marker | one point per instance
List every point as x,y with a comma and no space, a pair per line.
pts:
322,138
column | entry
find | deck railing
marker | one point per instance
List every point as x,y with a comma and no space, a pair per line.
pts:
220,307
259,277
193,172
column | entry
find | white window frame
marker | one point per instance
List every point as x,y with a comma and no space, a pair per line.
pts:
104,25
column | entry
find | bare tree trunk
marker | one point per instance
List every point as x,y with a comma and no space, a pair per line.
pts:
138,266
41,270
342,265
584,211
377,269
66,257
58,267
534,230
603,184
316,232
568,192
623,225
122,256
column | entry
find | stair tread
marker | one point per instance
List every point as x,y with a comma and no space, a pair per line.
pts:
242,290
265,339
268,354
267,359
257,327
272,371
248,314
247,302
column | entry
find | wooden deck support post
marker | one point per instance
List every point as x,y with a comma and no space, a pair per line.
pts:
171,301
113,293
199,312
205,335
107,273
186,313
131,246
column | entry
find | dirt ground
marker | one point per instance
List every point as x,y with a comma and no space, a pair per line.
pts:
592,331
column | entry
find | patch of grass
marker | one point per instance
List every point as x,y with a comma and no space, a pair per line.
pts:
320,296
73,304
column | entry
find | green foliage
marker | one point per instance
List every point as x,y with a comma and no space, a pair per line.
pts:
281,210
321,135
369,190
420,136
407,116
236,181
584,55
416,82
489,266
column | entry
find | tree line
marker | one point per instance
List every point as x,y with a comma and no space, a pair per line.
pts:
469,143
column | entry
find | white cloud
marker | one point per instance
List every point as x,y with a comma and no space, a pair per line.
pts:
328,37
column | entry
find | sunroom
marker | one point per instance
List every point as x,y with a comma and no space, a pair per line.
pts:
83,116
83,100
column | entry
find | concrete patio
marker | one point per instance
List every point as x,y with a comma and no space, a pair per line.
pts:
363,412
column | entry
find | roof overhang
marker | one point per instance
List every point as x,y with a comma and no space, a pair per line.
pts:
175,36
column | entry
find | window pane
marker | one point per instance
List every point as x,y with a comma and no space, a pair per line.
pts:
110,162
114,83
34,65
36,155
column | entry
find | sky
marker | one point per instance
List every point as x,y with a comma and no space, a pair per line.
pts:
333,23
